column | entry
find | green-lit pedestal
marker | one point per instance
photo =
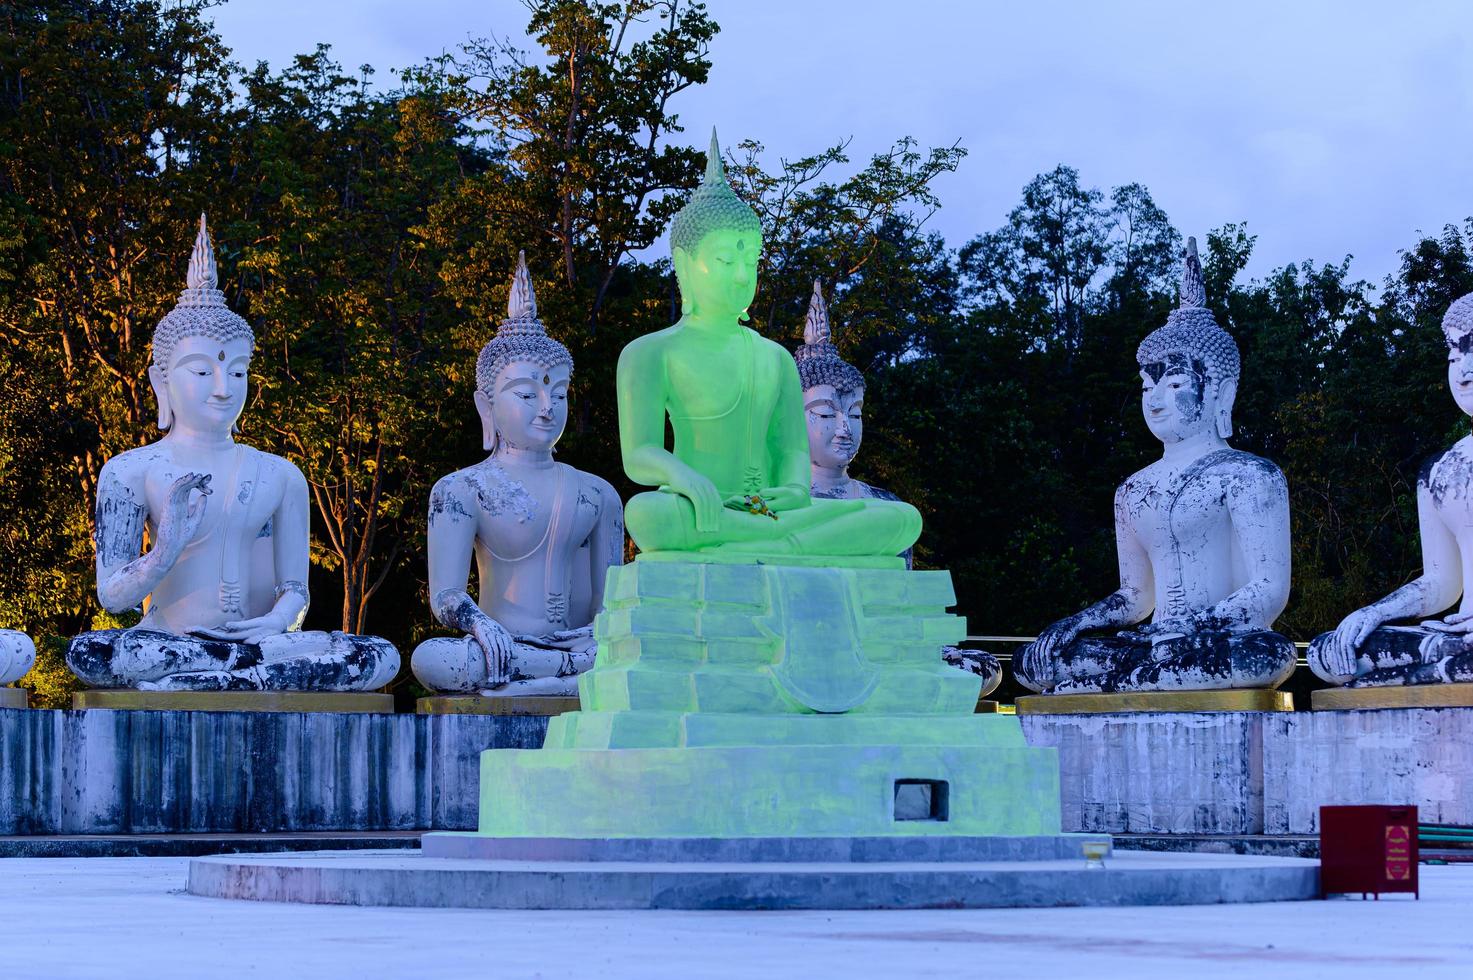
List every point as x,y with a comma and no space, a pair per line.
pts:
763,697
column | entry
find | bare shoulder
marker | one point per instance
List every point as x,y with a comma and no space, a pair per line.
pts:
130,469
1247,473
599,489
283,470
647,349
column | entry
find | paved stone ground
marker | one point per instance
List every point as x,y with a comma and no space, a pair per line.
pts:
128,917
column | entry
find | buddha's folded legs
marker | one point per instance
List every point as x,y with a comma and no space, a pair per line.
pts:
458,666
159,661
1395,655
1206,661
978,662
17,655
663,521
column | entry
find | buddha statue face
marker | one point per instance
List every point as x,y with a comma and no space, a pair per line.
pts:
719,279
203,386
1180,400
527,408
1460,371
835,425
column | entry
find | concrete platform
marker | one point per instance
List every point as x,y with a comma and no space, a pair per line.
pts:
747,850
398,879
332,702
14,697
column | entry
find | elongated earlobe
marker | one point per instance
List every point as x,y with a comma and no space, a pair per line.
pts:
157,381
1227,393
489,438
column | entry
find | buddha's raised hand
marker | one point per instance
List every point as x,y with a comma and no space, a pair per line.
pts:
183,512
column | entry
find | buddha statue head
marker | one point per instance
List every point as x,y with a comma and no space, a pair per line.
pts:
201,352
522,376
833,391
1189,367
1457,327
715,241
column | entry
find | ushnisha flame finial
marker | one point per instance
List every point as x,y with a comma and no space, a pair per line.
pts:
713,206
715,169
521,336
202,272
818,359
521,302
1193,290
201,309
816,327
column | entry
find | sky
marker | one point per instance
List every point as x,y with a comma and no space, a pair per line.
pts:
1329,128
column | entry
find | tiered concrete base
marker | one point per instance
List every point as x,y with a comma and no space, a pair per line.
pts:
300,701
476,704
889,879
14,697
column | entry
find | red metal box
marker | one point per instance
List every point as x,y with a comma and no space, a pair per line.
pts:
1368,849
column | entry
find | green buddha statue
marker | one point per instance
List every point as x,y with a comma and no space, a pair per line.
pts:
738,478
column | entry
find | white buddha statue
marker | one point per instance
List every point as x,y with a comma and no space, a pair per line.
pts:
1366,650
17,656
224,583
542,533
833,407
1202,535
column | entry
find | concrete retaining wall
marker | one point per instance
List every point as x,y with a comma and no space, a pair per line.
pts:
1234,774
1256,773
1395,756
1180,773
134,772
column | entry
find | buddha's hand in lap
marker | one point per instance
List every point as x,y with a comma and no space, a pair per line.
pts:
246,630
183,513
1159,634
775,498
496,645
703,496
574,639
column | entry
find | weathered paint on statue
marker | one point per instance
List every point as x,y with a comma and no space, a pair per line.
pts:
224,582
1202,535
542,533
1366,652
17,655
833,407
738,478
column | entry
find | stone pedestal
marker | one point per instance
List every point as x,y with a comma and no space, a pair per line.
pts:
316,702
1177,773
761,699
1401,696
1396,756
14,697
1157,702
476,704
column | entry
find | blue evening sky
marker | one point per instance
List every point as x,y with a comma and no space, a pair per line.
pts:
1329,127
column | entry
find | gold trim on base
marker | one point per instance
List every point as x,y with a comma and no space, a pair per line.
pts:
1404,696
985,707
14,697
477,704
299,701
1239,699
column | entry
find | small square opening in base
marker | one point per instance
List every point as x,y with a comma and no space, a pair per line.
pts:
921,799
